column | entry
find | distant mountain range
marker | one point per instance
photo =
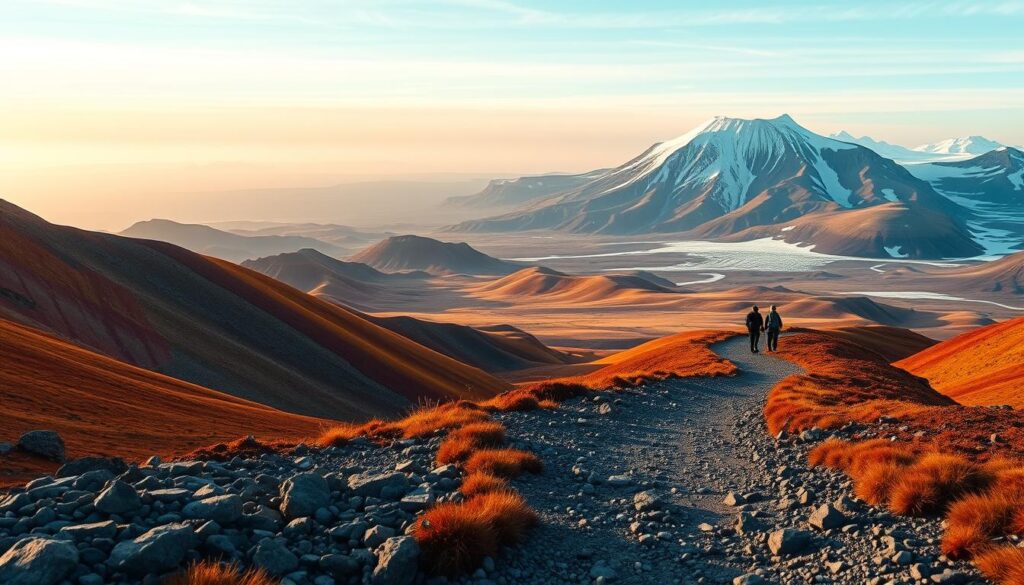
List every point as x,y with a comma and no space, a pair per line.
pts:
950,149
738,179
226,245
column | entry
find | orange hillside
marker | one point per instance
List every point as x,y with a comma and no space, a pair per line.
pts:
980,367
676,356
101,406
399,363
848,381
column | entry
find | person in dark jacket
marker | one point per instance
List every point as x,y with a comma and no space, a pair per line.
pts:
755,324
772,327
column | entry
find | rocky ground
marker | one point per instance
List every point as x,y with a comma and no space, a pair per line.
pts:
674,482
678,482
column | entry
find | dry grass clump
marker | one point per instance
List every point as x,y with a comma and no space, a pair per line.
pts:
455,537
933,482
504,463
975,520
422,422
1003,564
513,401
207,573
507,512
244,447
482,483
462,442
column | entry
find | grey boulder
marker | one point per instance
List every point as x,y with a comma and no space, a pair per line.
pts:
303,494
118,498
397,561
38,561
157,551
788,541
46,444
223,510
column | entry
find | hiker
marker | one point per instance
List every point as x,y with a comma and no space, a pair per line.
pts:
755,325
772,327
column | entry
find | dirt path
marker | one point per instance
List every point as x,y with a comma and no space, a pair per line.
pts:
687,444
677,437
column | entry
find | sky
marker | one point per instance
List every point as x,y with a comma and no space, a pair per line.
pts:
113,111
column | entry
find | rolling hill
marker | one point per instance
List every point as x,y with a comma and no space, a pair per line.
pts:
216,324
729,175
225,245
980,367
102,406
544,284
349,283
495,348
402,253
1005,275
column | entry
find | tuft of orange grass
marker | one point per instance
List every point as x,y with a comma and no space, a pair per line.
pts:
1003,564
462,442
454,539
507,512
208,573
513,401
422,422
505,463
974,520
874,481
933,482
482,483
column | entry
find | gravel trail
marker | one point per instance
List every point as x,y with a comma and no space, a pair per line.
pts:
646,486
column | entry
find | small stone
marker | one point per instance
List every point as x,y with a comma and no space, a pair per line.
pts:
733,499
223,510
647,500
826,517
748,579
788,541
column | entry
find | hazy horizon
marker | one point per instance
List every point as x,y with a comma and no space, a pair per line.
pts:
119,111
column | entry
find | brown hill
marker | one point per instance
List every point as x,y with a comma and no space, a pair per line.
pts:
216,324
1005,275
549,285
499,348
102,406
410,252
350,283
981,367
881,231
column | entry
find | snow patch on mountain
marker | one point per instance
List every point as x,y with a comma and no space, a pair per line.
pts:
971,145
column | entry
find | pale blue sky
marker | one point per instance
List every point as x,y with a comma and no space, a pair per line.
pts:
363,87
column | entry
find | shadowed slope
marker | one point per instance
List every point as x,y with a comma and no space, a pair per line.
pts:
101,406
228,328
982,367
409,252
892,343
544,284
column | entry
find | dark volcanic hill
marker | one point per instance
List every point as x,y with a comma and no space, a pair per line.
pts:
216,324
400,253
226,245
730,175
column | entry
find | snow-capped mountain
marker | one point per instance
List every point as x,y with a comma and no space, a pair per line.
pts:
967,145
992,187
896,152
729,176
